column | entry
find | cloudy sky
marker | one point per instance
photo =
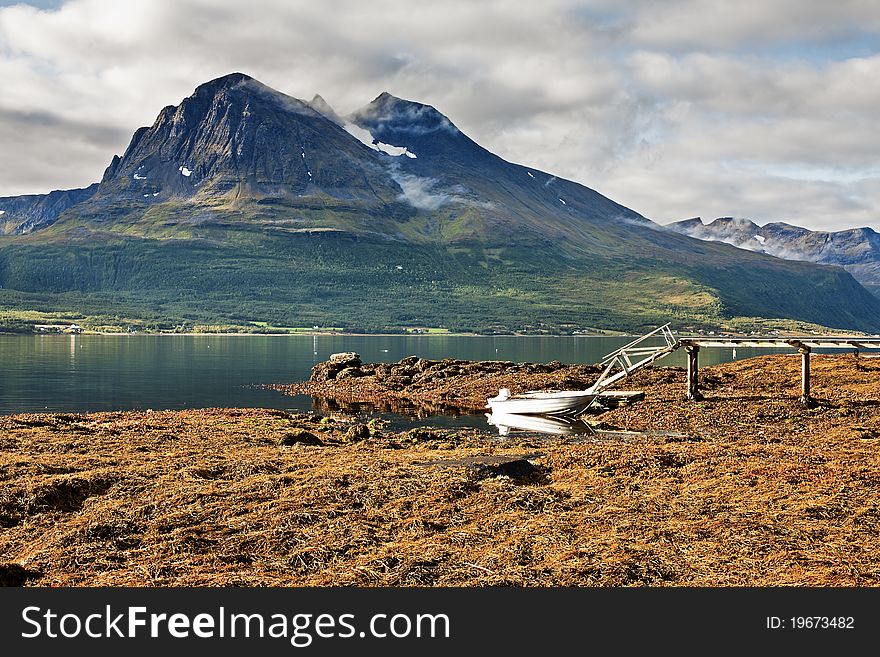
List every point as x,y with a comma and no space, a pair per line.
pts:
764,109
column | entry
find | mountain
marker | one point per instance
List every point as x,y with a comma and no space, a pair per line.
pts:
857,250
23,214
242,204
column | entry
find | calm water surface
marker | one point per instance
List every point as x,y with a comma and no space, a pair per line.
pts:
60,373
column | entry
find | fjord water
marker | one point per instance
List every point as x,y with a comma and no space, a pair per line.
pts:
85,373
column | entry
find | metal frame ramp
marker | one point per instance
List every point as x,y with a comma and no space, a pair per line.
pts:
634,356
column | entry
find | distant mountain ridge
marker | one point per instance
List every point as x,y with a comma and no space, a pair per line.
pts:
242,204
857,249
23,214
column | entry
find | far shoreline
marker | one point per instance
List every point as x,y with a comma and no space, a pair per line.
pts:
322,334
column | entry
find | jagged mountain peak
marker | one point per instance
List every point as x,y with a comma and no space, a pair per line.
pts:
744,233
693,222
235,137
855,249
320,105
734,222
224,82
865,231
390,113
243,87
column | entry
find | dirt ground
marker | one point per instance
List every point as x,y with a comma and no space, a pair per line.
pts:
758,492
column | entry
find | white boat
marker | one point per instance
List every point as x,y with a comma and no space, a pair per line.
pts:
565,402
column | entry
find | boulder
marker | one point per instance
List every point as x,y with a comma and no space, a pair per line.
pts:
300,437
13,574
325,371
330,369
347,358
357,433
515,469
349,373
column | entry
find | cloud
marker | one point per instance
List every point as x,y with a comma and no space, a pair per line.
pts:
697,24
417,191
425,193
410,118
676,109
24,159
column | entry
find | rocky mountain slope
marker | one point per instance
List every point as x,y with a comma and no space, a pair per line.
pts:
23,214
857,250
242,204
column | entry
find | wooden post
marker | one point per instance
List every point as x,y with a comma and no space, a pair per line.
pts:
806,400
693,381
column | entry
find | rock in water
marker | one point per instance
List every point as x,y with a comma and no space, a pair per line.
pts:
347,360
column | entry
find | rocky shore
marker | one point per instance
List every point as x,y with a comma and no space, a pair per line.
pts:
758,492
438,384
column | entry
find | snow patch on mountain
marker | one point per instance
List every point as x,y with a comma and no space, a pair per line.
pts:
396,151
366,137
362,135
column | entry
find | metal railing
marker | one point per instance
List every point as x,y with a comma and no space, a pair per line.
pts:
634,356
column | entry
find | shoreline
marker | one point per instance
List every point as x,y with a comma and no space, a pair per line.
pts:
320,334
401,335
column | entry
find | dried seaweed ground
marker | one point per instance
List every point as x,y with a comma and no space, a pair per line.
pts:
764,493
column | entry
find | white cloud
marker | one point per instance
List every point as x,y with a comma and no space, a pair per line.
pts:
681,108
698,24
418,191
